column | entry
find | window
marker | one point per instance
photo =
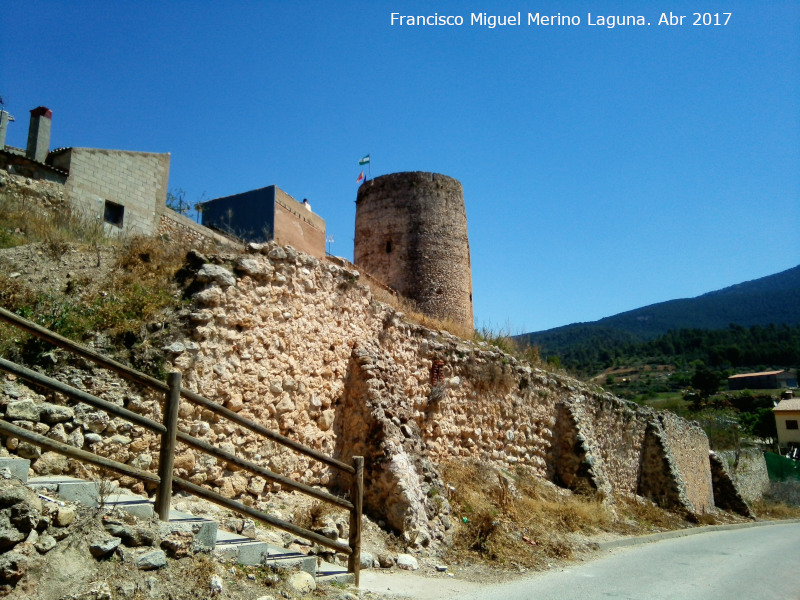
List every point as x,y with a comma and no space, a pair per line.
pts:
791,424
388,247
113,213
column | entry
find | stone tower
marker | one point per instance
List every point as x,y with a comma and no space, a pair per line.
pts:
411,233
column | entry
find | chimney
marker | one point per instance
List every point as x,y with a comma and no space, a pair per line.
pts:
39,134
4,119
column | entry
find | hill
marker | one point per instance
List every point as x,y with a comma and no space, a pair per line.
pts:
774,299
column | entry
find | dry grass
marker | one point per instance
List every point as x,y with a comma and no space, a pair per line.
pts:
411,311
23,220
775,510
123,301
517,519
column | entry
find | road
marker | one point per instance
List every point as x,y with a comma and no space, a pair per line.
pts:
755,562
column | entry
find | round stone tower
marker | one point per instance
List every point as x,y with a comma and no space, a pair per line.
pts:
411,233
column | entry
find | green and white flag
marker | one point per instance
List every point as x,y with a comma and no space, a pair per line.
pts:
364,160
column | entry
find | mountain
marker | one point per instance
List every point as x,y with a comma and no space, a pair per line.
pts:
772,299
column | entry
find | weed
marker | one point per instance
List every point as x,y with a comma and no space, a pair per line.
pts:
517,518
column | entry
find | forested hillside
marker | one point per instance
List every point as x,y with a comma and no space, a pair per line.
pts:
733,348
772,300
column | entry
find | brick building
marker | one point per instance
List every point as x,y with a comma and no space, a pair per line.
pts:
267,214
126,190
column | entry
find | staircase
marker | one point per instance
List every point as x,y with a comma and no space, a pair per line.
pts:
229,546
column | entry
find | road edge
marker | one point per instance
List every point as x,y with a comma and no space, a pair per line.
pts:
676,533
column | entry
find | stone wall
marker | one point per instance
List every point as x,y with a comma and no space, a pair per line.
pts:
180,227
748,469
299,346
411,233
135,180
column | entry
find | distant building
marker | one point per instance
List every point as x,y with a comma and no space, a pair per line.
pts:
767,380
264,215
126,191
787,421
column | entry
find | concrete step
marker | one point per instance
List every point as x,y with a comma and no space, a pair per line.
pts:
333,573
17,467
68,488
230,546
248,551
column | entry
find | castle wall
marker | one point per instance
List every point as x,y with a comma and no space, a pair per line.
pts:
100,180
411,233
689,450
298,345
748,469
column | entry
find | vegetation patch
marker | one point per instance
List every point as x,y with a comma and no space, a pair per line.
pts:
517,519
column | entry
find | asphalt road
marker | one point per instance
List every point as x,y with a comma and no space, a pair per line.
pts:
757,562
761,562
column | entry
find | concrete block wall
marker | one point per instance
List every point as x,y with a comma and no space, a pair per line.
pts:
293,228
135,180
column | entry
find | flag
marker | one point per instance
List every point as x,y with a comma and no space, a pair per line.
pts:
360,177
364,160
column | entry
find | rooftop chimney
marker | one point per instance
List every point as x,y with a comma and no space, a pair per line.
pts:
4,119
39,134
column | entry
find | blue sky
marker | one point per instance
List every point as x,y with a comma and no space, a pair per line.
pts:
604,169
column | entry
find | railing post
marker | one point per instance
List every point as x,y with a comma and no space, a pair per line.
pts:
166,456
357,498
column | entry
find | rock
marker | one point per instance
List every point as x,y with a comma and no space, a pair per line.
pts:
12,567
58,434
367,560
126,589
407,562
142,461
178,544
284,406
76,439
386,561
10,536
65,516
131,535
93,438
175,348
277,253
195,259
99,590
151,560
22,410
104,547
253,268
55,413
215,585
29,451
325,420
301,583
209,273
25,516
96,422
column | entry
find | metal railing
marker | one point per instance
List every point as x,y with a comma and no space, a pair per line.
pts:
170,435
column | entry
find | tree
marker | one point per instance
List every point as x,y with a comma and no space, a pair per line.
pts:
705,381
176,200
